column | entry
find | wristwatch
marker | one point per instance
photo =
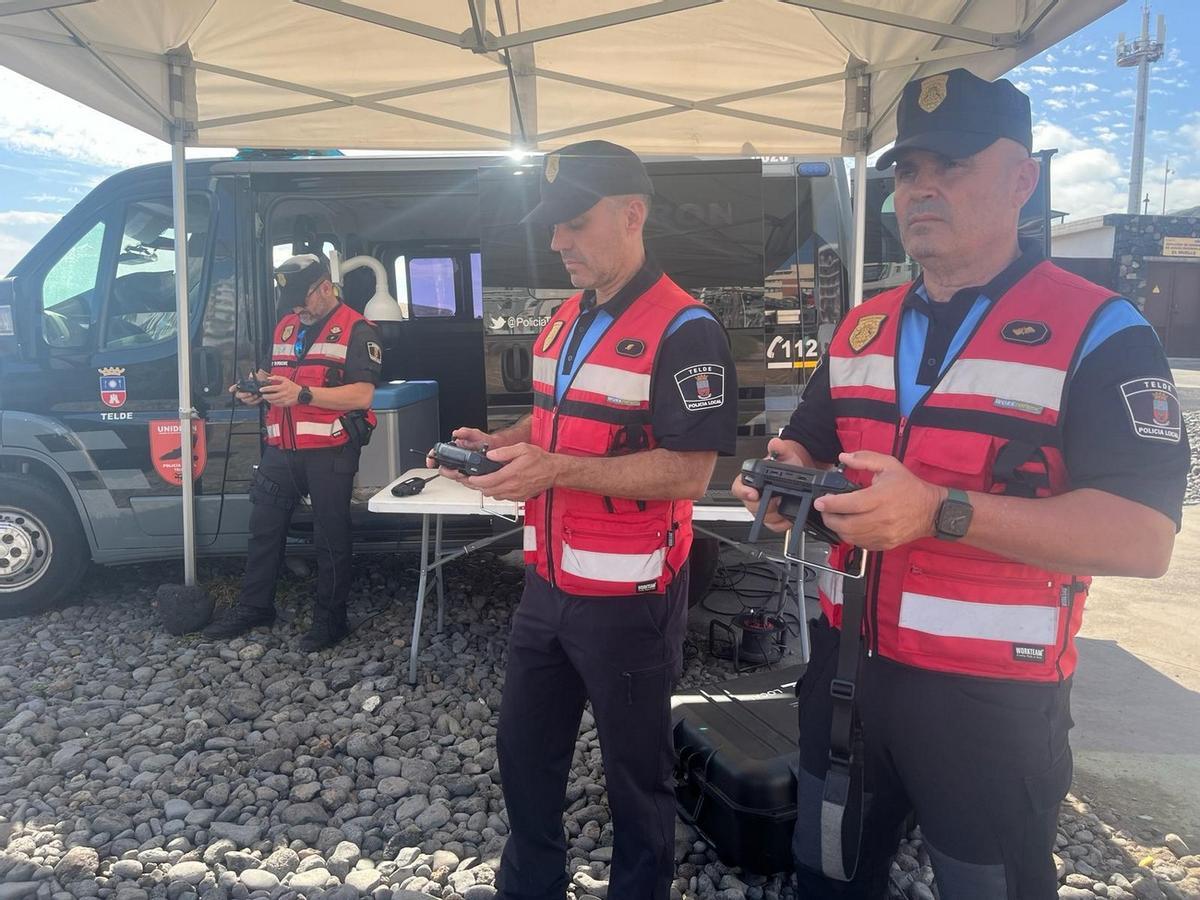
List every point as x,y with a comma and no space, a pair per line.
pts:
953,516
305,397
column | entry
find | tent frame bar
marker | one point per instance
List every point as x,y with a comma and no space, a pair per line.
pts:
21,7
910,23
472,40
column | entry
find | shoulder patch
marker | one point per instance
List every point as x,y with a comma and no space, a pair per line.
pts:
551,335
630,347
1023,331
375,352
865,330
1153,408
334,333
702,386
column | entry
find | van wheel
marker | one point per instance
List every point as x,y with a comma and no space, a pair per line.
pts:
702,566
43,552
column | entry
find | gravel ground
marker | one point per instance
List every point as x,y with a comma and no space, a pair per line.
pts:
137,765
1191,421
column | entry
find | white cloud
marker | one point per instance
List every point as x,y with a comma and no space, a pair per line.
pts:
1055,104
1079,70
1087,182
36,120
1024,87
1043,70
19,229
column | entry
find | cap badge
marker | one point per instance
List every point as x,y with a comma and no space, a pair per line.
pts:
281,279
551,167
933,92
865,331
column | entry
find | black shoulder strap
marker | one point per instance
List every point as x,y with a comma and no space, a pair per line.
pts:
842,800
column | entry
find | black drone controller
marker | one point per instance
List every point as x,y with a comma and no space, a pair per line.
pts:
251,386
796,487
469,462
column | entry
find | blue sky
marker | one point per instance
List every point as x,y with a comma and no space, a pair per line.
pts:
53,150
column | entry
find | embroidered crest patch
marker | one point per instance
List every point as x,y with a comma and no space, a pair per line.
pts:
1022,331
1153,409
374,352
551,167
551,335
288,331
701,387
334,333
865,331
630,347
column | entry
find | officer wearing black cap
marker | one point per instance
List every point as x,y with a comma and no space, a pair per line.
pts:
325,362
1014,431
634,398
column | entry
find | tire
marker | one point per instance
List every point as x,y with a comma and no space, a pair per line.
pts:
43,552
702,566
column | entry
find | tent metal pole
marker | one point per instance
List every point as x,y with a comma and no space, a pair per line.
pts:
862,130
183,336
860,224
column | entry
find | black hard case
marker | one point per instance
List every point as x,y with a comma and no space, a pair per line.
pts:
736,750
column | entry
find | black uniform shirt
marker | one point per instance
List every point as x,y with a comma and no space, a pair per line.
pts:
364,354
1110,443
693,395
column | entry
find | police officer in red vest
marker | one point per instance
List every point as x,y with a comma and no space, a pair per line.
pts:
1015,431
325,362
634,396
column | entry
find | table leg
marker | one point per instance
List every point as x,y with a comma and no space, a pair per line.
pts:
437,556
416,635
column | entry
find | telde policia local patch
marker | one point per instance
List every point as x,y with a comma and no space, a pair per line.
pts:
1153,409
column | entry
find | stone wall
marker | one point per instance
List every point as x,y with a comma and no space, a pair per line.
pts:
1138,237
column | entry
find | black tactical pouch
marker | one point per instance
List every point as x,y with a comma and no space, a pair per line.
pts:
358,427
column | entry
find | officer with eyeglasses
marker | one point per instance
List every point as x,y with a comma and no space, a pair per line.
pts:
325,362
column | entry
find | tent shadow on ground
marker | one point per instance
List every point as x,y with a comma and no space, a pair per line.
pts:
1137,732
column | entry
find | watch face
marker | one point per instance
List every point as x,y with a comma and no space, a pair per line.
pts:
955,518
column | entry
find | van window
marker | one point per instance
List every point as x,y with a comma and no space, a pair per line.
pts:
69,291
141,308
427,285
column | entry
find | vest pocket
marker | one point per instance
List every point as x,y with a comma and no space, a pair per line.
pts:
608,558
980,616
960,459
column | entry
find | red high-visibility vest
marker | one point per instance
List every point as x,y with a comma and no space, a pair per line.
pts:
303,427
585,543
991,423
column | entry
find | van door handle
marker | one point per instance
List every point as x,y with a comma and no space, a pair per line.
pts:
207,379
516,369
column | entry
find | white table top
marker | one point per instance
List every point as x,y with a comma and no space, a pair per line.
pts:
445,497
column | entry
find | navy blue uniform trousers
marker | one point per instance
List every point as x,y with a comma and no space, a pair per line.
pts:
983,763
326,475
622,653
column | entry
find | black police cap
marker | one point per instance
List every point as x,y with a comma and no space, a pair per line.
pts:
575,178
295,277
957,114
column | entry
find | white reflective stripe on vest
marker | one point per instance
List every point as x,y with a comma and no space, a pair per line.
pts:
288,351
323,429
945,617
631,387
543,370
599,566
273,431
529,535
330,351
831,586
874,371
1020,382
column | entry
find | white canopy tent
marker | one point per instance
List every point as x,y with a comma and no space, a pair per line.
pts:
679,77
